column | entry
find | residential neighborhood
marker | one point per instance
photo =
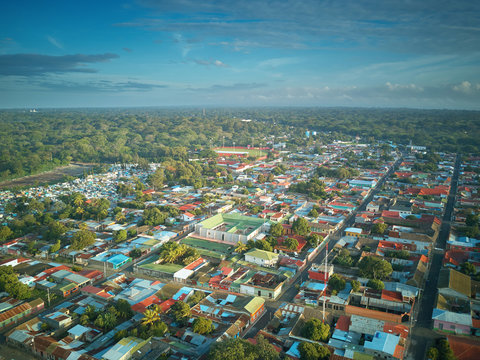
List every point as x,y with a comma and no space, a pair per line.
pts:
365,250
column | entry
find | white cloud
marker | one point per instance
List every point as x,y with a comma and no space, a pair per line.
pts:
464,87
54,42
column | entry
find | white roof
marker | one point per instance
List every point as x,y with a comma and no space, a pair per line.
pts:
183,274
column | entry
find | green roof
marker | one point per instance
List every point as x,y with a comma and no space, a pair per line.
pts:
233,222
262,254
66,287
254,304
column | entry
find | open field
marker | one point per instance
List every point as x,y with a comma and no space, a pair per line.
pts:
48,176
166,268
240,150
208,245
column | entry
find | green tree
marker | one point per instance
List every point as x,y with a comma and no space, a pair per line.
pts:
432,353
336,282
232,349
9,282
313,351
55,247
180,312
376,284
315,330
277,230
355,285
202,326
120,235
150,317
135,253
300,227
468,268
313,240
343,258
373,267
241,247
263,244
471,220
291,243
153,216
196,298
445,351
237,348
313,213
82,239
264,350
5,233
379,228
124,309
54,230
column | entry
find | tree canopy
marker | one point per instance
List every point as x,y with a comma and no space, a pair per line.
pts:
313,351
82,239
314,329
373,267
237,348
300,227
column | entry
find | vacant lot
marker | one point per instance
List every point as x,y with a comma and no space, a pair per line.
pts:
48,177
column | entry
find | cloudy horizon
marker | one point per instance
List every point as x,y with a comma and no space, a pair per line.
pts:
257,53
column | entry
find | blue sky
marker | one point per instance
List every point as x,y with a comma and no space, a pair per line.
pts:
422,54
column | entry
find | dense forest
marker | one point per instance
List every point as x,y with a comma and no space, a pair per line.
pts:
34,142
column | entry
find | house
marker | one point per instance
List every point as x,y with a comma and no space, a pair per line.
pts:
453,283
317,272
354,232
58,319
457,323
384,345
261,257
124,349
20,311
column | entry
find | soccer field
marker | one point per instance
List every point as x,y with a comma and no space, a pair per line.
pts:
240,150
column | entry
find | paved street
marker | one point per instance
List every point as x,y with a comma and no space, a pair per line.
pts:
422,335
291,291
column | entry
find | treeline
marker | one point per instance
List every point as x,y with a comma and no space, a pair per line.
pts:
34,142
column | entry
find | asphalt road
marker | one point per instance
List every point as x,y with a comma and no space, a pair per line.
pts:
422,336
291,291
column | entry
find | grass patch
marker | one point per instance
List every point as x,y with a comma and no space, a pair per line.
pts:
200,244
166,268
251,152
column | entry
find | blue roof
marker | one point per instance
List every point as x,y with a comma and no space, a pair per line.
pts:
293,351
231,298
315,286
383,342
118,259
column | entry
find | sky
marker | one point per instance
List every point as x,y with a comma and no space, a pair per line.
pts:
382,53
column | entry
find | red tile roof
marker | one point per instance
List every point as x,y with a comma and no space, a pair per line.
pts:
143,305
392,295
464,348
343,323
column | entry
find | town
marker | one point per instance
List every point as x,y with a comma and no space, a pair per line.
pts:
345,250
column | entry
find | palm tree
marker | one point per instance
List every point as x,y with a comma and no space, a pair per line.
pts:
150,317
78,200
241,247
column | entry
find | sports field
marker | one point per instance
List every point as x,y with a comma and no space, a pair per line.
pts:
240,150
211,246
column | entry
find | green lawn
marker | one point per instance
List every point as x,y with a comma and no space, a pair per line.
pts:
251,152
200,244
166,268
